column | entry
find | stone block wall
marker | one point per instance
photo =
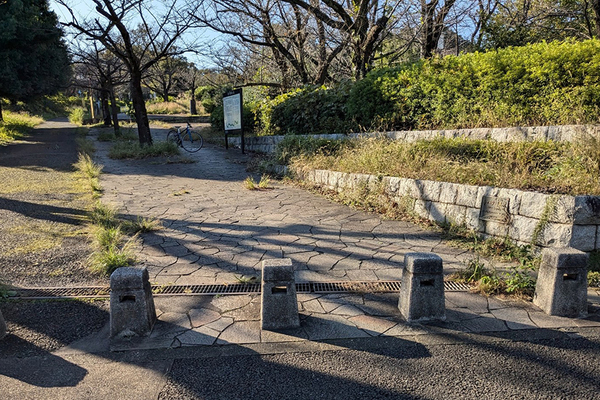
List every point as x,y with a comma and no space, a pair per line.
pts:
268,144
549,220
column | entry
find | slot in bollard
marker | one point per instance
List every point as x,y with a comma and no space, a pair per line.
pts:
279,305
131,304
2,326
561,287
422,290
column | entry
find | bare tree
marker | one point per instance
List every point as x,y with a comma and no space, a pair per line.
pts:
100,70
162,76
140,33
363,22
273,32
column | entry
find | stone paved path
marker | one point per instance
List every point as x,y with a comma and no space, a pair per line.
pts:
216,231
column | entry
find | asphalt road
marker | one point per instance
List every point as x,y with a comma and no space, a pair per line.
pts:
546,369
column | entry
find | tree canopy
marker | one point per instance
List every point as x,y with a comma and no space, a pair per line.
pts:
33,57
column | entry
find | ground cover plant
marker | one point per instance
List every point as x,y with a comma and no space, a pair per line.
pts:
550,167
538,84
16,125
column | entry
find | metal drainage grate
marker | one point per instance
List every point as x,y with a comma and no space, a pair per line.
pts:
224,289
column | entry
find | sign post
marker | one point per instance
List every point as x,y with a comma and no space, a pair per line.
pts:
232,114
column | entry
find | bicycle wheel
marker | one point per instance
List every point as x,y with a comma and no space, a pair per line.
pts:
191,141
172,137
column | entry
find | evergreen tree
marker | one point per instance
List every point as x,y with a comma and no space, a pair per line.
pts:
33,57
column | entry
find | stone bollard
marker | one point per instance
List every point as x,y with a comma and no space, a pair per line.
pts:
422,291
561,287
131,305
2,326
279,306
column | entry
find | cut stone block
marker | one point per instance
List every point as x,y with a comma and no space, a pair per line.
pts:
561,288
132,311
422,291
279,305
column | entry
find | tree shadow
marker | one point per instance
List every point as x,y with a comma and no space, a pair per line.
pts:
44,212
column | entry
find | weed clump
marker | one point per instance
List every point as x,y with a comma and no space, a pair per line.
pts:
251,184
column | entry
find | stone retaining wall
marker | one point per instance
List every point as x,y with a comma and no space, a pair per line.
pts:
267,144
550,220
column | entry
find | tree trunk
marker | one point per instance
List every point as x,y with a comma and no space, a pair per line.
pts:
596,8
139,106
193,110
114,111
1,117
105,107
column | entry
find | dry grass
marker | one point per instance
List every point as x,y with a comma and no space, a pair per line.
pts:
551,167
168,107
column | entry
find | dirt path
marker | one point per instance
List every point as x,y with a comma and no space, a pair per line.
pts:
42,237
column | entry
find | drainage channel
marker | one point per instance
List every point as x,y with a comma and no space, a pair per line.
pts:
222,289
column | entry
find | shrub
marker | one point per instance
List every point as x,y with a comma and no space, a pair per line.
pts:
79,115
310,110
538,84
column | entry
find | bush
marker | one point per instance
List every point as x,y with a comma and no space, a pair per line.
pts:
538,84
79,115
310,110
169,107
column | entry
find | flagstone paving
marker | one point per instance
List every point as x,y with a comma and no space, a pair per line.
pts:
217,231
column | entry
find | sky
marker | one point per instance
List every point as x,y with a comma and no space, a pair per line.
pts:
85,9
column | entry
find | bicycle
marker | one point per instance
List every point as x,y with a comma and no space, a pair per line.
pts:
187,139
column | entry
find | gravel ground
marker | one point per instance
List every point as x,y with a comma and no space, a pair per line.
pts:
38,327
561,369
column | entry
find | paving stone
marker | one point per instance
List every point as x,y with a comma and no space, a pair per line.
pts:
347,310
327,326
179,320
361,275
249,312
374,326
198,337
391,274
220,324
474,302
202,316
288,335
404,329
313,306
240,333
231,302
485,323
543,320
515,318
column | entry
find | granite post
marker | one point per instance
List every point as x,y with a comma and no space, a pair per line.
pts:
132,310
279,306
561,287
422,291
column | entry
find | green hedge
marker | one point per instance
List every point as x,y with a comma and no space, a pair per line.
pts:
539,84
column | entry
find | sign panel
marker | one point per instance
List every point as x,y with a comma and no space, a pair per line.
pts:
232,110
495,209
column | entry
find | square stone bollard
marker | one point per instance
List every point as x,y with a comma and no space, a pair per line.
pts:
422,290
131,304
2,326
279,305
561,287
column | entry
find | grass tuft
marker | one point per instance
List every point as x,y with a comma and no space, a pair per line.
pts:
251,184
